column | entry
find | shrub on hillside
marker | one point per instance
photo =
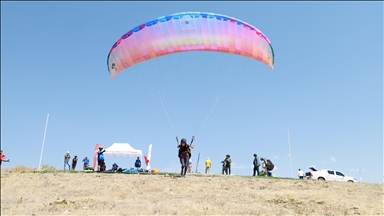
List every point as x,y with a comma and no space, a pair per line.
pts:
48,168
19,169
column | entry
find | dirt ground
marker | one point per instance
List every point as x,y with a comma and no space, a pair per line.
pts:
28,192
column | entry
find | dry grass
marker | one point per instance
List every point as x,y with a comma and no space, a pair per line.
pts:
17,169
28,192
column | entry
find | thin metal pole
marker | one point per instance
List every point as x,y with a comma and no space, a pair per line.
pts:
42,147
197,164
290,155
361,159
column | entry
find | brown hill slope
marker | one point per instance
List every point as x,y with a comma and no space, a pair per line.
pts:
78,193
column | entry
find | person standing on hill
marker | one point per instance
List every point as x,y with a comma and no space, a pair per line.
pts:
184,150
86,163
256,165
300,174
2,157
190,162
74,162
207,166
67,157
223,168
100,159
228,162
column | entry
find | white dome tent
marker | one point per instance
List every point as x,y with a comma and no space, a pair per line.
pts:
122,150
126,150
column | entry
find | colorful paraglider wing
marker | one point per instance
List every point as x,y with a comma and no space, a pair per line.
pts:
189,31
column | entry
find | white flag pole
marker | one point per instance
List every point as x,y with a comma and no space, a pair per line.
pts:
361,159
290,155
42,147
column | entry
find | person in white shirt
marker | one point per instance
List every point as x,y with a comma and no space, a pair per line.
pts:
190,165
301,174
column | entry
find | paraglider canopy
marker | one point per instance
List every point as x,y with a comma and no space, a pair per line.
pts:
189,31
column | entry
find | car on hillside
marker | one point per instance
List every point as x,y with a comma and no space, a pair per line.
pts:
329,175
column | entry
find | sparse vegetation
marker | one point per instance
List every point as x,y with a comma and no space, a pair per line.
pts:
48,168
17,169
26,192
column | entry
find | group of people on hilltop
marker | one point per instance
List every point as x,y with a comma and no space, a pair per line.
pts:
100,162
184,155
115,167
67,159
266,164
72,165
185,161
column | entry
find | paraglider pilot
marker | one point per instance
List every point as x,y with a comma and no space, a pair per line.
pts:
100,159
184,155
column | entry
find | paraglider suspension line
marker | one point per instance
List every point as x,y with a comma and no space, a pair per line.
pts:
210,112
169,121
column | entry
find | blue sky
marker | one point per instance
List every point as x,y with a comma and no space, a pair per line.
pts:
326,88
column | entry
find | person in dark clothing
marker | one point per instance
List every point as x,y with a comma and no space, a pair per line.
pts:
74,162
267,165
256,165
223,169
138,162
115,167
228,162
184,151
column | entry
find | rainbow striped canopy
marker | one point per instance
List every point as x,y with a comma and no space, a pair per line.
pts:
189,31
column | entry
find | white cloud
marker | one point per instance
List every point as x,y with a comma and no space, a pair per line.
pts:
276,158
355,170
331,159
234,166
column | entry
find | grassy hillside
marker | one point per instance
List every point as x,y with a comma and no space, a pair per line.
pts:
28,192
